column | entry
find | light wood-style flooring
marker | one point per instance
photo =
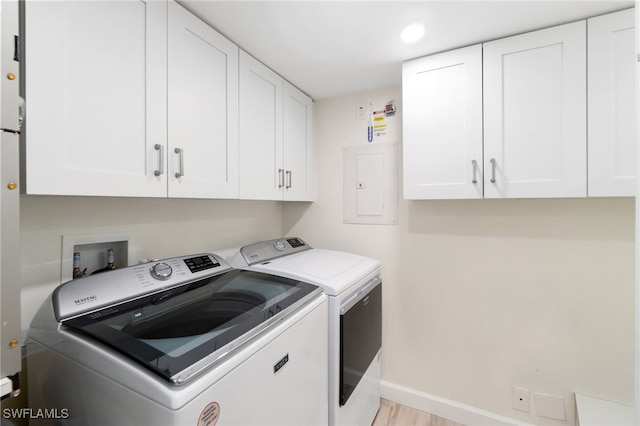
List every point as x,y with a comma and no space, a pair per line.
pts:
394,414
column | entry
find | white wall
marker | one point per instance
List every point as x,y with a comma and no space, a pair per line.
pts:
157,228
478,295
482,295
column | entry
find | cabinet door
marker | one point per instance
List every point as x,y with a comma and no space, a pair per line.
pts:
262,174
298,145
612,107
94,95
202,113
442,125
535,114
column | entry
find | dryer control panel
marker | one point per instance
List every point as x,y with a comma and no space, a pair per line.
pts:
271,249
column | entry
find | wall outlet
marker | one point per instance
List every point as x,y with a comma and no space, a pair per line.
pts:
550,406
520,398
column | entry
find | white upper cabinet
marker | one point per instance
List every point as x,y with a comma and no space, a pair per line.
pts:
261,111
507,119
442,125
612,105
275,136
298,145
535,114
202,109
148,110
95,99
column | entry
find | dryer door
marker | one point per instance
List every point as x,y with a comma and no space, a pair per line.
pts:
360,336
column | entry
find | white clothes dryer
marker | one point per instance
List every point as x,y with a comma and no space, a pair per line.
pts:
353,285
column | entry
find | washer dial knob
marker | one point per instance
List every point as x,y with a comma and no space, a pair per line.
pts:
161,271
279,245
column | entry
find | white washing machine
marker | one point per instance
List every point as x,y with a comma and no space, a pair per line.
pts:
353,285
183,341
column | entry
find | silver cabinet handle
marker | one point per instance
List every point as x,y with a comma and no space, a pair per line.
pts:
288,173
180,171
493,170
474,179
280,178
21,110
160,149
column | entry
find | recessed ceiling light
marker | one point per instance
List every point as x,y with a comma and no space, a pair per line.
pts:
412,33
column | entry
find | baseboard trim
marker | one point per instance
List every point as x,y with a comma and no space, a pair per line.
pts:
446,408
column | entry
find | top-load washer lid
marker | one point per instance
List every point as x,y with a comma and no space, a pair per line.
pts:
180,330
334,271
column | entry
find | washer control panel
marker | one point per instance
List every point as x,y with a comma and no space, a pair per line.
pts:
201,263
110,288
267,250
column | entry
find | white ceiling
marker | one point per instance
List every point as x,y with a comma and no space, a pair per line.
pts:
332,48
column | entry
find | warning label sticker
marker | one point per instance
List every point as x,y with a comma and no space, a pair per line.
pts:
379,124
